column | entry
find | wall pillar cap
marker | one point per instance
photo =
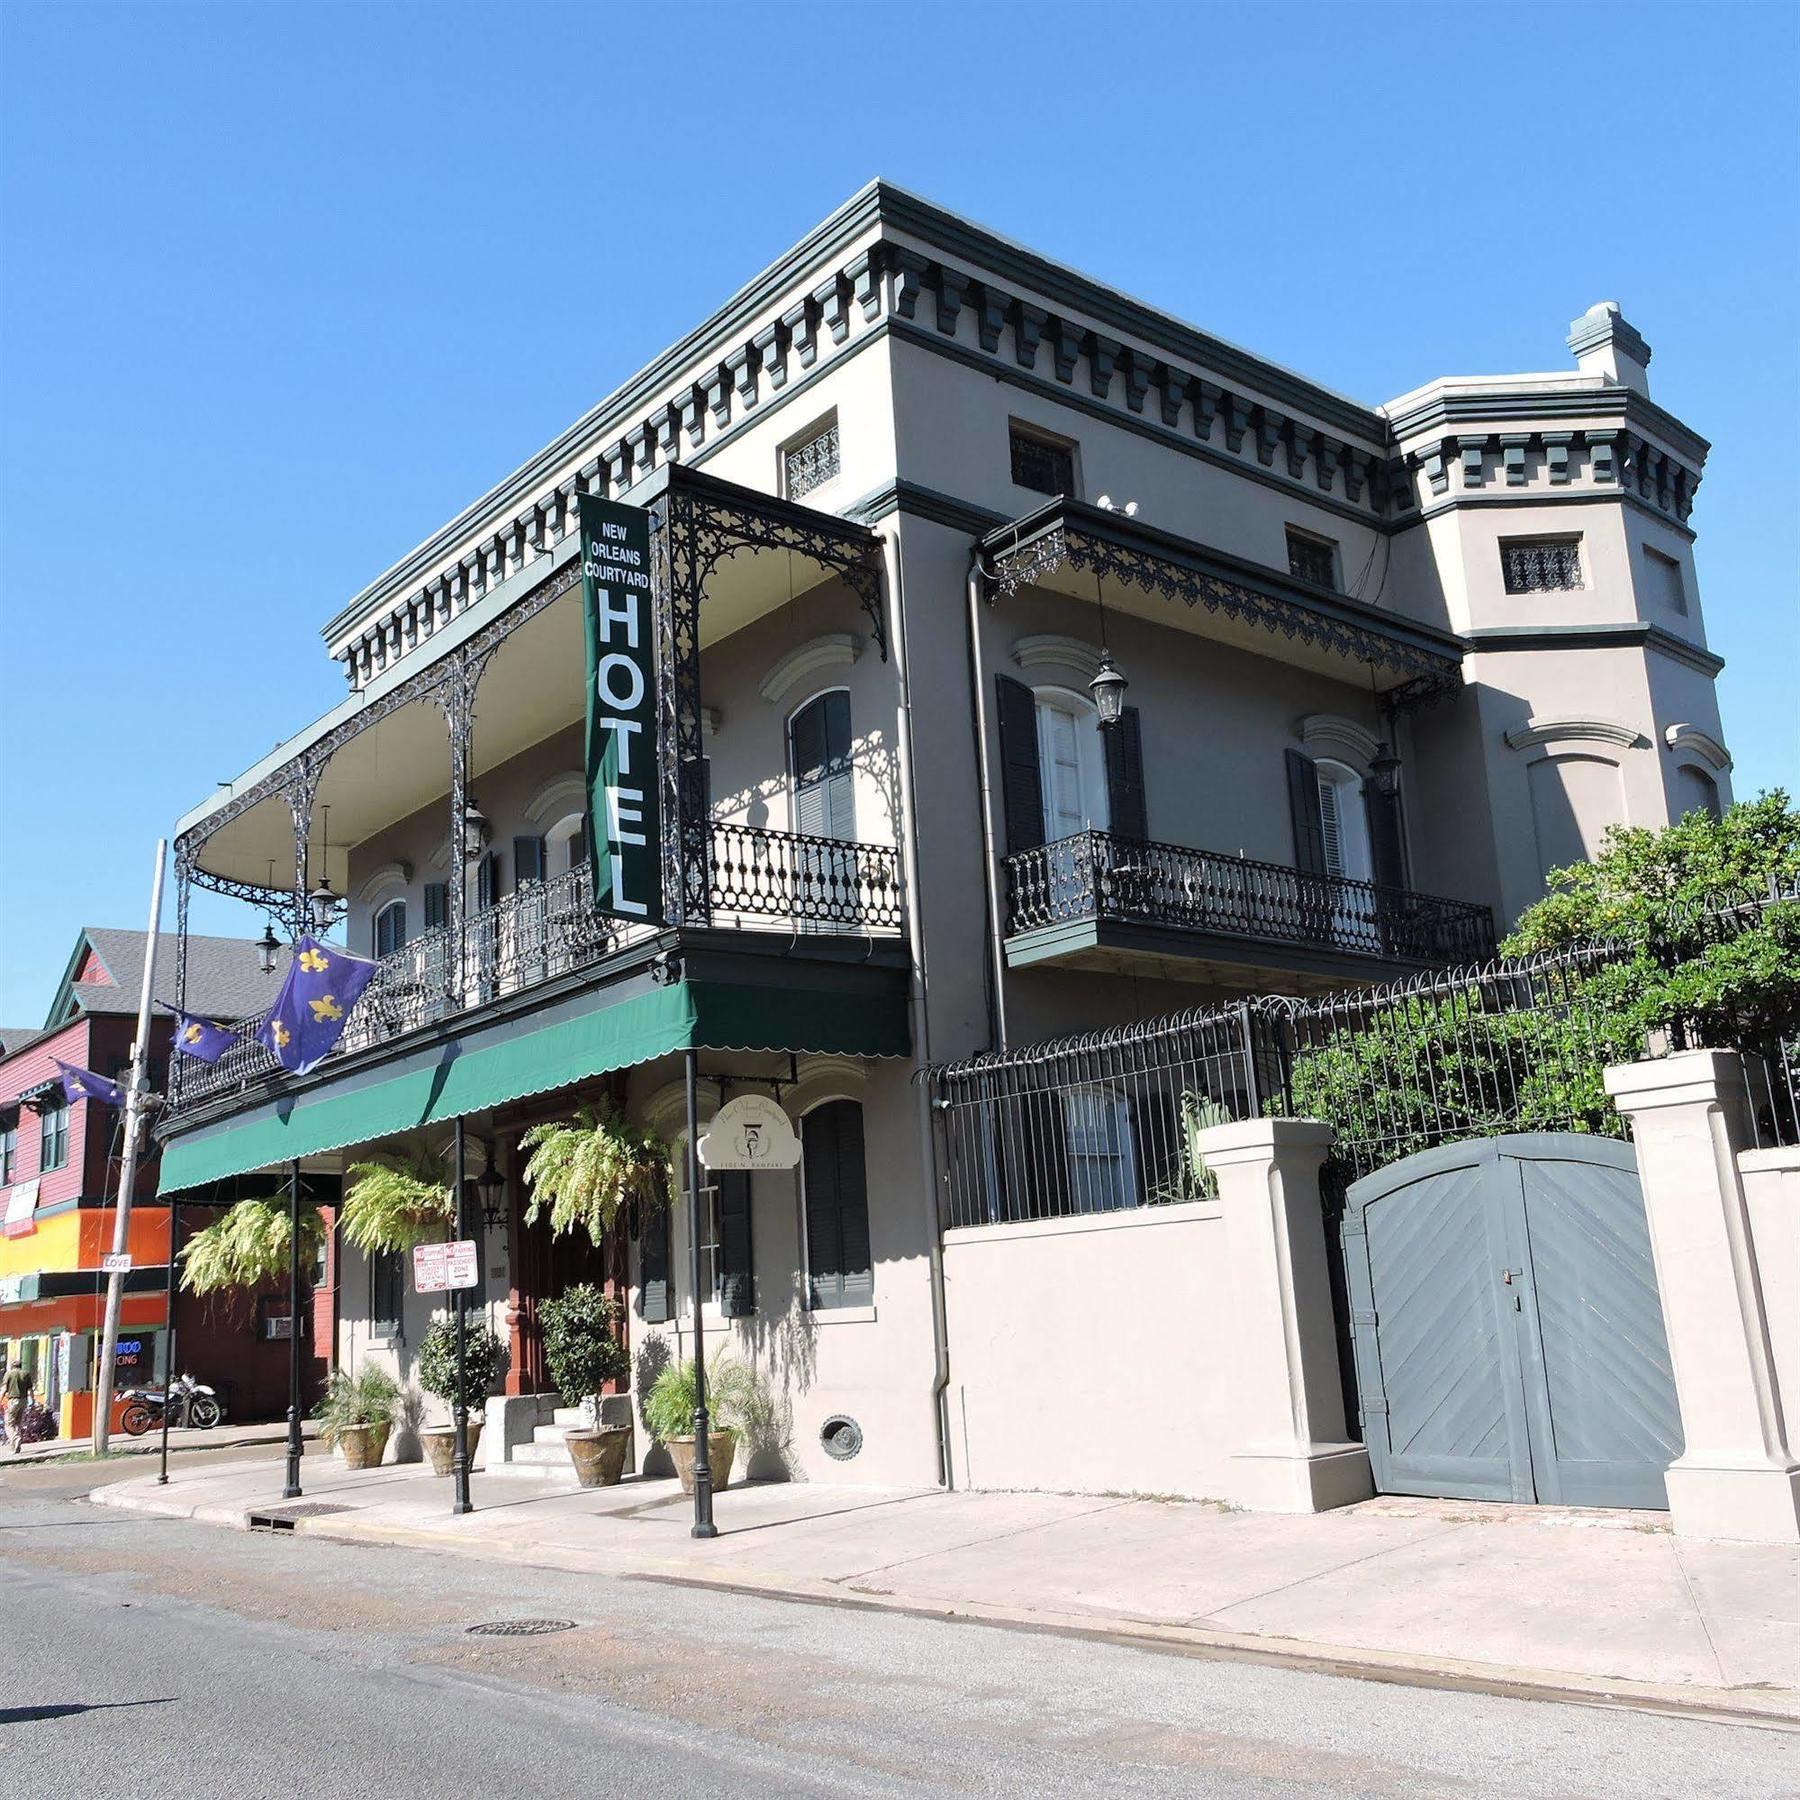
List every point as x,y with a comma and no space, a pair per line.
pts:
1252,1140
1688,1078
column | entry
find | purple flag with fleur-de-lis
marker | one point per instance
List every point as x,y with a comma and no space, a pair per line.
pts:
323,983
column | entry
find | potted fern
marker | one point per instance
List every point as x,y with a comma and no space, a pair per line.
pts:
247,1246
357,1414
583,1353
397,1199
669,1414
584,1171
484,1362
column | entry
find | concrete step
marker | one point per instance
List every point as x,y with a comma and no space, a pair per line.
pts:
567,1418
548,1456
550,1434
533,1471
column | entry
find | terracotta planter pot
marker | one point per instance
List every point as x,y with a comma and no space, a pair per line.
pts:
363,1446
440,1445
599,1454
721,1452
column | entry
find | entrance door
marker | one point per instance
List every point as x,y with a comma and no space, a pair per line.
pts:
1508,1330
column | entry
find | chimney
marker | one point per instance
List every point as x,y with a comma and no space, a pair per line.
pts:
1607,346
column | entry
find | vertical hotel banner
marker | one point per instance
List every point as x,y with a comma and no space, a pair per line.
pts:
624,830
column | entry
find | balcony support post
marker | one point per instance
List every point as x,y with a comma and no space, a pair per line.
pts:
302,789
183,887
456,696
677,585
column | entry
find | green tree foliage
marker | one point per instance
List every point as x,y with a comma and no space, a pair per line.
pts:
484,1360
581,1342
248,1246
1676,935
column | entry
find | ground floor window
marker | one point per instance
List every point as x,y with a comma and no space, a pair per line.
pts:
835,1196
1097,1143
387,1292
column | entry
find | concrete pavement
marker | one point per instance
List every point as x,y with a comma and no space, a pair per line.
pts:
228,1436
1603,1607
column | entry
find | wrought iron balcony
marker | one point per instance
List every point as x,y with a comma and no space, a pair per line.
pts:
1096,876
761,880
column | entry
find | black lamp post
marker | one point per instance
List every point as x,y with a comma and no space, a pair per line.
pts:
459,1463
268,947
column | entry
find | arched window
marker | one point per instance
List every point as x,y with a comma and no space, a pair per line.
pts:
822,766
1071,765
835,1196
1344,822
390,928
565,846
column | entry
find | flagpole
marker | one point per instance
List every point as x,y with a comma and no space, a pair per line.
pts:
136,1099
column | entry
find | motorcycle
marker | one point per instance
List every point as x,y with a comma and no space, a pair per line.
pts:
188,1402
37,1425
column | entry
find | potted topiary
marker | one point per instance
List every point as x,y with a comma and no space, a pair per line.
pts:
583,1353
484,1362
357,1414
669,1413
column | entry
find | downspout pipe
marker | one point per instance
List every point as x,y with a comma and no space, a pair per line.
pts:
921,1012
996,955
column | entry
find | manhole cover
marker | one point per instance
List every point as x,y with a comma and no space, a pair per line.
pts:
521,1627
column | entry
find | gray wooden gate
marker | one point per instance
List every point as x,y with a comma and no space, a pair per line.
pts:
1508,1331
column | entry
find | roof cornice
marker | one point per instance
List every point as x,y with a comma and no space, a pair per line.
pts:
1443,406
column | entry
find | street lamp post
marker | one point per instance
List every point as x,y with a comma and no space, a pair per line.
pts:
459,1466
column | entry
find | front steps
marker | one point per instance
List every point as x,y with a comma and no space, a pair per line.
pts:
546,1456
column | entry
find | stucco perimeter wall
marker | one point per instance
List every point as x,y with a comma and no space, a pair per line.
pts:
1772,1197
1091,1355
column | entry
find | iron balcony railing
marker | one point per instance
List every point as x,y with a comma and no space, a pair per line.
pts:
1095,875
761,880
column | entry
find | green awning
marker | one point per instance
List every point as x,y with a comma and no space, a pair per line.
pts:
458,1078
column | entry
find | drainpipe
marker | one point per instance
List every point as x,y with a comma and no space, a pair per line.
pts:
921,1018
985,790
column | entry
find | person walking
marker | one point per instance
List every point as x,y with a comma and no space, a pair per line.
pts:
16,1390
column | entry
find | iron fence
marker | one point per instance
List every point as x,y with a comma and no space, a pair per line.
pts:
762,880
1108,1120
1097,875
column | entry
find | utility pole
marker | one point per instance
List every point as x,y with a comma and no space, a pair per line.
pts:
137,1099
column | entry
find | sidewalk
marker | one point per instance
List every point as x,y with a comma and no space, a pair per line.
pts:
1516,1600
221,1437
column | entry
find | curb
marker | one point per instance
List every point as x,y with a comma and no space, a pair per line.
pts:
1450,1674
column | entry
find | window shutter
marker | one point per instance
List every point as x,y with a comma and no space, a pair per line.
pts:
1125,777
1387,842
437,905
1020,785
1303,803
858,1279
737,1283
653,1264
487,881
839,1265
528,860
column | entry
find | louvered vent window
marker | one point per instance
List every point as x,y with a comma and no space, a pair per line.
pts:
1541,565
1312,558
810,463
1041,464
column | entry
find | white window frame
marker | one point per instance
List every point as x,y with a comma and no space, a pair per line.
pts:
1121,1187
1090,754
380,913
1346,808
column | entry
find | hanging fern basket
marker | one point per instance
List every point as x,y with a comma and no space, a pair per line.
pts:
583,1172
396,1200
247,1247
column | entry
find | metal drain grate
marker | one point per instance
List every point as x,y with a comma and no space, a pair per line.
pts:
521,1627
282,1518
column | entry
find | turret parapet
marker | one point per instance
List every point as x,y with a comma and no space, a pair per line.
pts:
1608,345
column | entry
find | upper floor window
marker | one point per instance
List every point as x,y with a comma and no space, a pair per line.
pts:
53,1136
1540,565
1046,465
1343,822
822,764
1665,581
811,461
390,928
1312,558
9,1148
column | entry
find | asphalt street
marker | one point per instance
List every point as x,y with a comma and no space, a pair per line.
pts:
160,1657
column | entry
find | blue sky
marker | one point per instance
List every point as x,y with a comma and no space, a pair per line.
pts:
284,286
